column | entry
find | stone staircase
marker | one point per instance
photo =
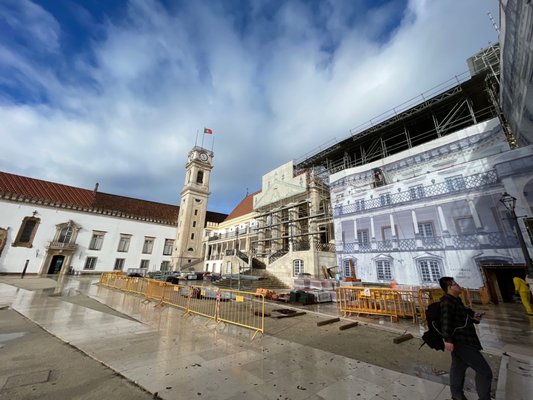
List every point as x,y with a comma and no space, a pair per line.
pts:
266,281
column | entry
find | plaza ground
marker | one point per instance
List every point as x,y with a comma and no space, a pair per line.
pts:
138,348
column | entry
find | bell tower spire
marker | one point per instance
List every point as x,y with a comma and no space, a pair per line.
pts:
193,208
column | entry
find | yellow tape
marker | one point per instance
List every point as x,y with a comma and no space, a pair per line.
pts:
239,299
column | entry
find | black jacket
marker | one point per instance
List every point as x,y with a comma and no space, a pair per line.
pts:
457,322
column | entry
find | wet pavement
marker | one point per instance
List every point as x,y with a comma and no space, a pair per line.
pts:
184,358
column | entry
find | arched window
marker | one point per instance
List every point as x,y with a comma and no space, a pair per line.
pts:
66,234
200,177
298,267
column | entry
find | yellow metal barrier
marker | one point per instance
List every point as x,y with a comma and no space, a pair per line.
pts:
202,301
177,296
155,290
245,309
377,301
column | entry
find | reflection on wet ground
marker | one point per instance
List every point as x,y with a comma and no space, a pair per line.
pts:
163,343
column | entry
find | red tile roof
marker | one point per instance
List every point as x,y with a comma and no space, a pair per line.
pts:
246,206
17,187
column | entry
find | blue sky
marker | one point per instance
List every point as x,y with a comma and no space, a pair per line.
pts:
114,91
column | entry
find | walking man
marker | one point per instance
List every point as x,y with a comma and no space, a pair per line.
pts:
460,338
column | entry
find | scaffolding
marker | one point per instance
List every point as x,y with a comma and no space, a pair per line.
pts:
464,100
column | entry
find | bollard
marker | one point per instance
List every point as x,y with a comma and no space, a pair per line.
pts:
24,270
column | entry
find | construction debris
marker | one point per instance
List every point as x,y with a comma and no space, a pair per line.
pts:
328,321
296,314
402,338
348,326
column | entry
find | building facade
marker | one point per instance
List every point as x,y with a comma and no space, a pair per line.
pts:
50,228
285,228
434,210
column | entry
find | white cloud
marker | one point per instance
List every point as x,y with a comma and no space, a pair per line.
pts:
272,87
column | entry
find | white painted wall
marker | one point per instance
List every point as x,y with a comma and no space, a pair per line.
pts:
13,259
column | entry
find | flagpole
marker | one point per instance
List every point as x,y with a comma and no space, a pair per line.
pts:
196,140
203,136
213,143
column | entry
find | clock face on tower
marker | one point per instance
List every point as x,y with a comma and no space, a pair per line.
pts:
203,156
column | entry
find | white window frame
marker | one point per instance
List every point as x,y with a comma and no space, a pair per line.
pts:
363,237
148,245
144,264
384,270
346,267
426,229
97,240
65,234
119,264
90,263
430,270
169,245
165,266
124,243
297,267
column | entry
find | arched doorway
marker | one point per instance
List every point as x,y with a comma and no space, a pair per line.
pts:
56,264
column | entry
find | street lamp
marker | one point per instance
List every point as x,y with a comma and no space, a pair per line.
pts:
509,203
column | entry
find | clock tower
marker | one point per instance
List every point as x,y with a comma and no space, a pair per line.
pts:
193,209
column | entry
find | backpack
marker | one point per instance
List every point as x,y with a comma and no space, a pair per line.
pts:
432,337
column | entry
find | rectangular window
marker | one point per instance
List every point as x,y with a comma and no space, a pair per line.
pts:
228,267
148,245
192,236
385,199
194,224
124,243
119,264
96,241
169,244
144,264
384,270
27,231
362,237
417,192
429,270
165,266
195,212
455,183
298,267
426,229
348,268
90,263
386,233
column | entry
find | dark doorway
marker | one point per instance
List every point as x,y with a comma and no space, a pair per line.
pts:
500,281
56,264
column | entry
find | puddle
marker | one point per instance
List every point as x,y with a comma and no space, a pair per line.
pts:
6,337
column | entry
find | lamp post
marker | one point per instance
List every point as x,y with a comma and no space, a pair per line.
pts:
510,203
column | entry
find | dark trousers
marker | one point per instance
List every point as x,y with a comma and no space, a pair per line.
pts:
464,356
